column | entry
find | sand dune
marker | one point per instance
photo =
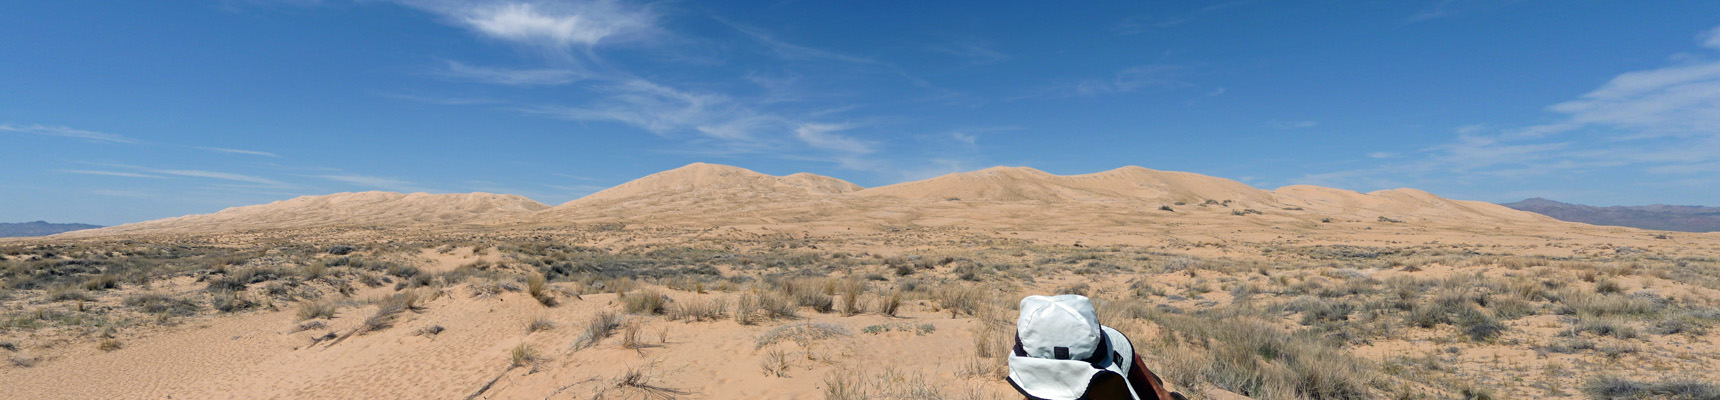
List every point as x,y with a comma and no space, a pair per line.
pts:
365,208
720,195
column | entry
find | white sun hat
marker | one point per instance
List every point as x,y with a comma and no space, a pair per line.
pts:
1060,346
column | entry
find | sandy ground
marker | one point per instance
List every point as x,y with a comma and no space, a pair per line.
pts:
258,354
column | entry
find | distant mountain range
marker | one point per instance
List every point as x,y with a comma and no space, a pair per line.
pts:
39,228
1658,217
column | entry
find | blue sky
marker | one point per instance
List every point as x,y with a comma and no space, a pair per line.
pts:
114,112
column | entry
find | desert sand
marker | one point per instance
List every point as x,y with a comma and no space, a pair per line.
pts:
1395,293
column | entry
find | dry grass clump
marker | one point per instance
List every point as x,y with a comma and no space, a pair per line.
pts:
961,299
1602,327
387,309
110,345
1252,358
851,289
523,355
698,310
776,362
811,292
601,326
756,306
852,384
801,333
317,309
643,301
540,324
890,304
102,282
535,286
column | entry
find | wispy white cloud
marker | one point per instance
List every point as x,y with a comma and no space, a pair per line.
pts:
217,175
555,25
1292,124
1124,81
975,51
511,76
790,51
239,151
1710,38
1381,155
1138,24
375,182
61,131
825,136
121,193
1662,121
109,173
443,100
1440,9
663,110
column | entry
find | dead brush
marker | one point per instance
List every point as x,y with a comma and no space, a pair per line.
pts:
637,382
776,362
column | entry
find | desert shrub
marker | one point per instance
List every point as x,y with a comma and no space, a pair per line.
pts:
230,302
1511,307
157,303
1569,345
965,299
1317,311
600,326
1429,315
643,301
317,309
1607,286
1478,325
800,333
698,310
69,294
341,249
1603,327
746,311
1583,303
110,345
1253,358
1677,325
1617,388
102,282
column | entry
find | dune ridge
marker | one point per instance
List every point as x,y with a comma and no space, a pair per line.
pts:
713,194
